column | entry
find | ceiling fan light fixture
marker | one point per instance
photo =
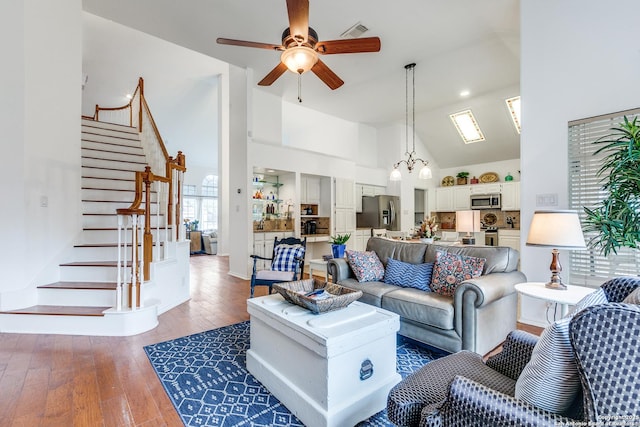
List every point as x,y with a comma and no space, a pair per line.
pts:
299,59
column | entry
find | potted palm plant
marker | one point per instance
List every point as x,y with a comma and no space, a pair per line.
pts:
338,244
462,178
616,219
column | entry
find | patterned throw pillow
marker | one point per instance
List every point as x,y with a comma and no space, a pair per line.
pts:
633,297
408,275
365,265
284,257
450,270
550,380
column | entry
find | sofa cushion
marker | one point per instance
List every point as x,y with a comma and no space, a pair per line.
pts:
499,259
408,275
451,269
550,380
424,307
402,251
372,292
365,265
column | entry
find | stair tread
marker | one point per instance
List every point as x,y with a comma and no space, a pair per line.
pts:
108,179
93,264
60,310
105,245
81,285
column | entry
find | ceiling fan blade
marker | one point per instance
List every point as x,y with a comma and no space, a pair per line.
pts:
273,75
325,74
366,44
245,43
298,11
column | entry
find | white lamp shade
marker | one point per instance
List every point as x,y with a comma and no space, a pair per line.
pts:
557,229
299,59
425,173
395,175
468,221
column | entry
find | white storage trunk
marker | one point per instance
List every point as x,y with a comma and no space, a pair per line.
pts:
331,369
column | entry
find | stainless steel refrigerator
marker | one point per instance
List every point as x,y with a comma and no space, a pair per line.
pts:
380,212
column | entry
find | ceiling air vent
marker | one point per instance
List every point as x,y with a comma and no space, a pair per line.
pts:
354,32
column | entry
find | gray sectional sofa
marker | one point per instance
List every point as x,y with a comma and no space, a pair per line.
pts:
477,317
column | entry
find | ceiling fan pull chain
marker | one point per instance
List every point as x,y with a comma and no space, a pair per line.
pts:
300,87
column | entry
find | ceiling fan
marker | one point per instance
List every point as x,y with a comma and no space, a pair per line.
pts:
300,48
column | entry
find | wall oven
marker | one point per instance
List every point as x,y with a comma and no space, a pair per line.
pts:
486,201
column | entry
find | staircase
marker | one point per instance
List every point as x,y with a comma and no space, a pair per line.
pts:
83,301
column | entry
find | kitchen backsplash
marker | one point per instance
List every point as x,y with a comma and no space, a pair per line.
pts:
490,217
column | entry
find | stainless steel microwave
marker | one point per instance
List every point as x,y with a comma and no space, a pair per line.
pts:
486,201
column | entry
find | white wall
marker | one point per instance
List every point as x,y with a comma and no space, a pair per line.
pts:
42,59
579,59
239,174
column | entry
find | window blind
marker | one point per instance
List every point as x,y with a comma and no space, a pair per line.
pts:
590,267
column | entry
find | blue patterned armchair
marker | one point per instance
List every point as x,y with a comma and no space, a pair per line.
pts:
462,390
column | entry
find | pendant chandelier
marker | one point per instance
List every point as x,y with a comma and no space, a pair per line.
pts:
412,160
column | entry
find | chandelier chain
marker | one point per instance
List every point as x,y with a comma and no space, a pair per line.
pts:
410,125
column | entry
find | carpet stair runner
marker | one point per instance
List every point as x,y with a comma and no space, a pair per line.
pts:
111,154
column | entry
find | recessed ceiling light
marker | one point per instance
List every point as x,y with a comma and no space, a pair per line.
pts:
270,170
129,96
465,93
513,104
467,126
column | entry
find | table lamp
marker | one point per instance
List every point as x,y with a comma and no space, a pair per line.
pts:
556,229
469,222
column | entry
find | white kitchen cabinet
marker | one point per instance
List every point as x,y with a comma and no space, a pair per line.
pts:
444,199
345,193
510,238
359,195
461,198
310,190
362,237
511,196
494,188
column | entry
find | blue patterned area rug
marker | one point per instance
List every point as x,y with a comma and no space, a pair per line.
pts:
206,378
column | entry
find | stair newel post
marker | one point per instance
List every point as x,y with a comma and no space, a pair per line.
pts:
120,266
148,238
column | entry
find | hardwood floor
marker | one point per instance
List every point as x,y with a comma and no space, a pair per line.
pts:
62,380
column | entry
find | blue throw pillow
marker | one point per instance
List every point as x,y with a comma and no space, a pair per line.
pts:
408,275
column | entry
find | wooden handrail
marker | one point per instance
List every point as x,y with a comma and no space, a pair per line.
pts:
145,179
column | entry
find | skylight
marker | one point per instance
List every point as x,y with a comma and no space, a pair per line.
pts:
467,126
514,108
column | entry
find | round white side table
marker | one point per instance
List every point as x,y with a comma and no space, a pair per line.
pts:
318,264
565,298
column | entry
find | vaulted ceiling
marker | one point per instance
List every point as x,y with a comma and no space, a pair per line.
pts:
457,45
